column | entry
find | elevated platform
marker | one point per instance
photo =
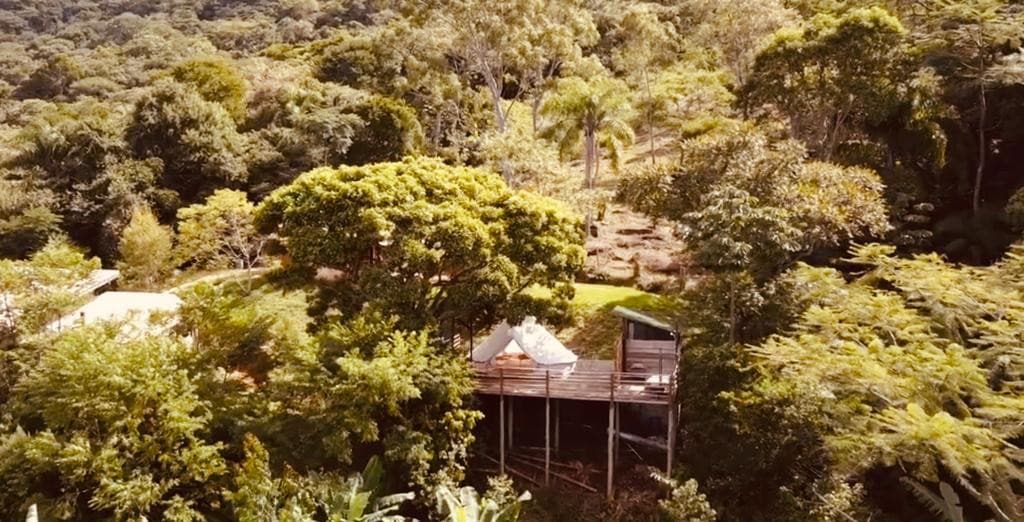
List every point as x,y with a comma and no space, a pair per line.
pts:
588,380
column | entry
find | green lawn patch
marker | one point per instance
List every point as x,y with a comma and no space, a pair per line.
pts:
597,330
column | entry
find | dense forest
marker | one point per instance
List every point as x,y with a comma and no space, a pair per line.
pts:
342,191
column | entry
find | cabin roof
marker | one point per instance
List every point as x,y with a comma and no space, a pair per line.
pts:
530,338
633,315
95,281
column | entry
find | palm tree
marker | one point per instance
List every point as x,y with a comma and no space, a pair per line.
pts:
593,113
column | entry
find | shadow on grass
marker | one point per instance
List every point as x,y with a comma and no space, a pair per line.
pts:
597,329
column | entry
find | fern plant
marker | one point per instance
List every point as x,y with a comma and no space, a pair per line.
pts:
945,505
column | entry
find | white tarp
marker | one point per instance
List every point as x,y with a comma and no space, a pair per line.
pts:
530,338
134,308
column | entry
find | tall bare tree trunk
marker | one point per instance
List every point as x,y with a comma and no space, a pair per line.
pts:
494,88
588,160
589,167
650,112
982,146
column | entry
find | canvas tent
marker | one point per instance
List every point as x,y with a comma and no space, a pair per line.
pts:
529,341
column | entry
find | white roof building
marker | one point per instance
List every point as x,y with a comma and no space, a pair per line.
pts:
529,340
135,309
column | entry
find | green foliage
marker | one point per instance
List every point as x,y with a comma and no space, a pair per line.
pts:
389,132
363,60
116,431
734,31
78,152
676,96
216,80
751,204
425,242
39,290
465,505
594,114
194,138
855,72
219,233
969,40
365,386
261,498
947,507
685,503
52,79
1015,210
907,367
749,201
233,330
518,41
27,220
145,251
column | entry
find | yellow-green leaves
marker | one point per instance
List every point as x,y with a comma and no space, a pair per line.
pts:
916,364
424,241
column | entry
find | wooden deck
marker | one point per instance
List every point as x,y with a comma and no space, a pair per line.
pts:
590,380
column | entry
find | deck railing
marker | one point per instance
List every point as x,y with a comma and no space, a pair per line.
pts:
632,387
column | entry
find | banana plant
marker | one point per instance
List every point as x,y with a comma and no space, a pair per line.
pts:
466,505
358,500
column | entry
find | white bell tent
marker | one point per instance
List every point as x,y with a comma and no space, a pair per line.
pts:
528,342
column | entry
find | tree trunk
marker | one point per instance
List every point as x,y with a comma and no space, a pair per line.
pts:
495,90
588,160
535,112
588,175
982,146
650,112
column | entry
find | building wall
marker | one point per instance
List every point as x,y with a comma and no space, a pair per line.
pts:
652,356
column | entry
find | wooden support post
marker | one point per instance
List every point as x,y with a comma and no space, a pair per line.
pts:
511,422
611,435
558,423
670,437
547,427
501,420
618,427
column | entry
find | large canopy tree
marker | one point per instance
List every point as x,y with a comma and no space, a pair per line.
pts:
113,429
515,44
968,40
196,139
911,370
426,242
840,77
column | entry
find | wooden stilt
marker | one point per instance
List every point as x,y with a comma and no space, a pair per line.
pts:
618,427
511,422
501,421
558,423
611,436
547,427
670,437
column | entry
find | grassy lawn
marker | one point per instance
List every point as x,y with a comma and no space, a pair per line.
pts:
597,330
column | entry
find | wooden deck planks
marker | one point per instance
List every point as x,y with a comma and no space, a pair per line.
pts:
588,385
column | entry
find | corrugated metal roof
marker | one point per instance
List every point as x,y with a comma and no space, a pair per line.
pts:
640,317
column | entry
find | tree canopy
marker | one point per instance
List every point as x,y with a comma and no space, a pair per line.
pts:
346,194
425,242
